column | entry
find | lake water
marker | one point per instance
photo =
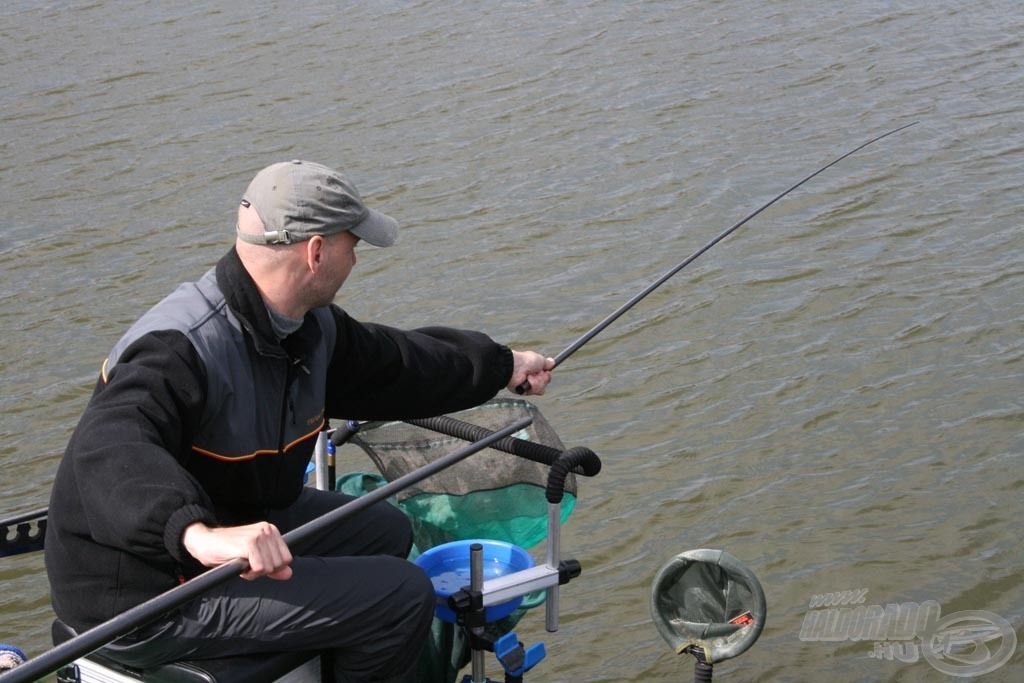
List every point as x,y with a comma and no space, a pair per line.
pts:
833,395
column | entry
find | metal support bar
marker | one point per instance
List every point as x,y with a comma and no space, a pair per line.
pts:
504,588
320,461
476,583
554,557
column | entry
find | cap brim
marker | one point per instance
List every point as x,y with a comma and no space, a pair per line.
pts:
377,228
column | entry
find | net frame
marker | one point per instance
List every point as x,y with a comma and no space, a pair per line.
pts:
397,448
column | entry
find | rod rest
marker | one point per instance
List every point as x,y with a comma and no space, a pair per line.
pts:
579,460
23,533
260,668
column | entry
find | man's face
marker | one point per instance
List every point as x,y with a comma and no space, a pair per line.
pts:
339,260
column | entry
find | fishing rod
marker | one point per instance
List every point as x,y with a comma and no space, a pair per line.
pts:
598,328
131,619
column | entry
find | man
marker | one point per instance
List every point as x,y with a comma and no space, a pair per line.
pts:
192,450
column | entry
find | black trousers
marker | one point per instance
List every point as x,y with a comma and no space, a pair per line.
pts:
352,591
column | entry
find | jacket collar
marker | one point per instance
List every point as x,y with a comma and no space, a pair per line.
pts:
244,300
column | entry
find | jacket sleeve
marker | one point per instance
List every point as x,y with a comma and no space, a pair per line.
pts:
126,453
379,372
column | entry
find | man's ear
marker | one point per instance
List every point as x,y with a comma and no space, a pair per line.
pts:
315,253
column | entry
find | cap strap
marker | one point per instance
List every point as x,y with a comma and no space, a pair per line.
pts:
270,237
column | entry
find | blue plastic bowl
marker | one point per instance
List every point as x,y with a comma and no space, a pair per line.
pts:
447,566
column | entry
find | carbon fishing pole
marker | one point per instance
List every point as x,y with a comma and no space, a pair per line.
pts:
134,617
598,328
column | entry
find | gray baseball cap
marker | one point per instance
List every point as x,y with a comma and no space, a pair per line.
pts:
299,199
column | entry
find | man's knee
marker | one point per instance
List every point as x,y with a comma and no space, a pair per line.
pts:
389,532
400,535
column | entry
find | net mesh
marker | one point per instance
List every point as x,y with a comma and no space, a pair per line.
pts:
708,599
491,494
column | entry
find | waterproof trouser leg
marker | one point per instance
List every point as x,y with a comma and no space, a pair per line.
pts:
351,591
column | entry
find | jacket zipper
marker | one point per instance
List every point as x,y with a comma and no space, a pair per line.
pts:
285,400
287,403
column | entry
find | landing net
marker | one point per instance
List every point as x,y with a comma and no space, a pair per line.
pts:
492,494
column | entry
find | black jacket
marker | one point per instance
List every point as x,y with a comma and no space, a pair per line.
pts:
139,467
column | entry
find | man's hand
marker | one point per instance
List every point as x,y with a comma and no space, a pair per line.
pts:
528,366
260,543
